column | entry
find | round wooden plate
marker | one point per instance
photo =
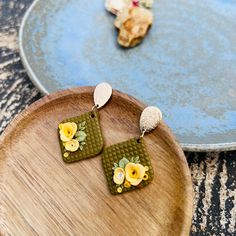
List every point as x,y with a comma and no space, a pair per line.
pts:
42,195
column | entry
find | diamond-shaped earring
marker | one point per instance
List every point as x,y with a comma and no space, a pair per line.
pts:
127,165
81,137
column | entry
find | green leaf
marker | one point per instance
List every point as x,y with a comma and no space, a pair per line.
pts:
123,162
136,159
132,159
83,143
80,136
82,126
115,166
81,147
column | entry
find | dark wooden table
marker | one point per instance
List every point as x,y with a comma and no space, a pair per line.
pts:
214,174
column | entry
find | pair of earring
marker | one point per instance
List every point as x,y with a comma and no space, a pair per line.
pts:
127,165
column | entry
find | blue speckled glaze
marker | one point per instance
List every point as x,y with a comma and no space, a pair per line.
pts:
186,65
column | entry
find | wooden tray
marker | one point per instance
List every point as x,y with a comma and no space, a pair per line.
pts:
42,195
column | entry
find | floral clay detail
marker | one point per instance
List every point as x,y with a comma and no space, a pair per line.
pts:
73,136
129,173
80,137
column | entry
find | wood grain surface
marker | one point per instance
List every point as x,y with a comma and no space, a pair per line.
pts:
42,195
213,174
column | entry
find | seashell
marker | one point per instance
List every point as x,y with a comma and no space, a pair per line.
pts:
150,118
133,24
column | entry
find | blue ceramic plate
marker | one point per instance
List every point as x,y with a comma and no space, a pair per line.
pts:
186,65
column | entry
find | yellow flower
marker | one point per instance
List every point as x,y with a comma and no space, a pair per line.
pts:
67,131
72,145
127,184
66,154
145,177
119,175
134,173
119,189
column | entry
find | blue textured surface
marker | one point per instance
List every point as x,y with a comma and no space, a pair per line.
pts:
186,65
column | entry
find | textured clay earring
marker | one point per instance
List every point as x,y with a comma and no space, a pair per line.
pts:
81,137
127,165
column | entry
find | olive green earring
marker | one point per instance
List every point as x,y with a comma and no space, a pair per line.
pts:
127,165
81,137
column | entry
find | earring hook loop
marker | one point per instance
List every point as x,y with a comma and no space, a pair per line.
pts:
95,107
142,134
